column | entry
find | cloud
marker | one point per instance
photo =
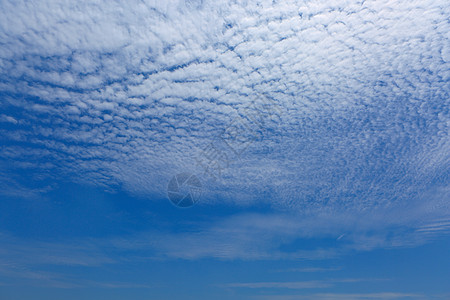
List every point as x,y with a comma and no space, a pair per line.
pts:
127,95
138,89
311,270
244,237
371,296
26,252
336,296
312,284
39,278
287,285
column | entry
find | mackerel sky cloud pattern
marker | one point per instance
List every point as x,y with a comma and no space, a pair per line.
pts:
126,95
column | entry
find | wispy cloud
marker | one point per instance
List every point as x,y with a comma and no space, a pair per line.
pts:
336,296
435,227
311,269
313,284
285,285
238,237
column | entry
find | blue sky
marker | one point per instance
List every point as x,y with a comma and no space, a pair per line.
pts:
312,137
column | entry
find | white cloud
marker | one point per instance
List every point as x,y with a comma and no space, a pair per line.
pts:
361,296
128,94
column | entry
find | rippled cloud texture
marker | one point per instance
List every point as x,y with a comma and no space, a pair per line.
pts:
125,95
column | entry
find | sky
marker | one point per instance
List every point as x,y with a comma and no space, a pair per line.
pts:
199,149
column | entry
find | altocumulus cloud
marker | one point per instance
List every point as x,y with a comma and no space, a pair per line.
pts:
128,94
